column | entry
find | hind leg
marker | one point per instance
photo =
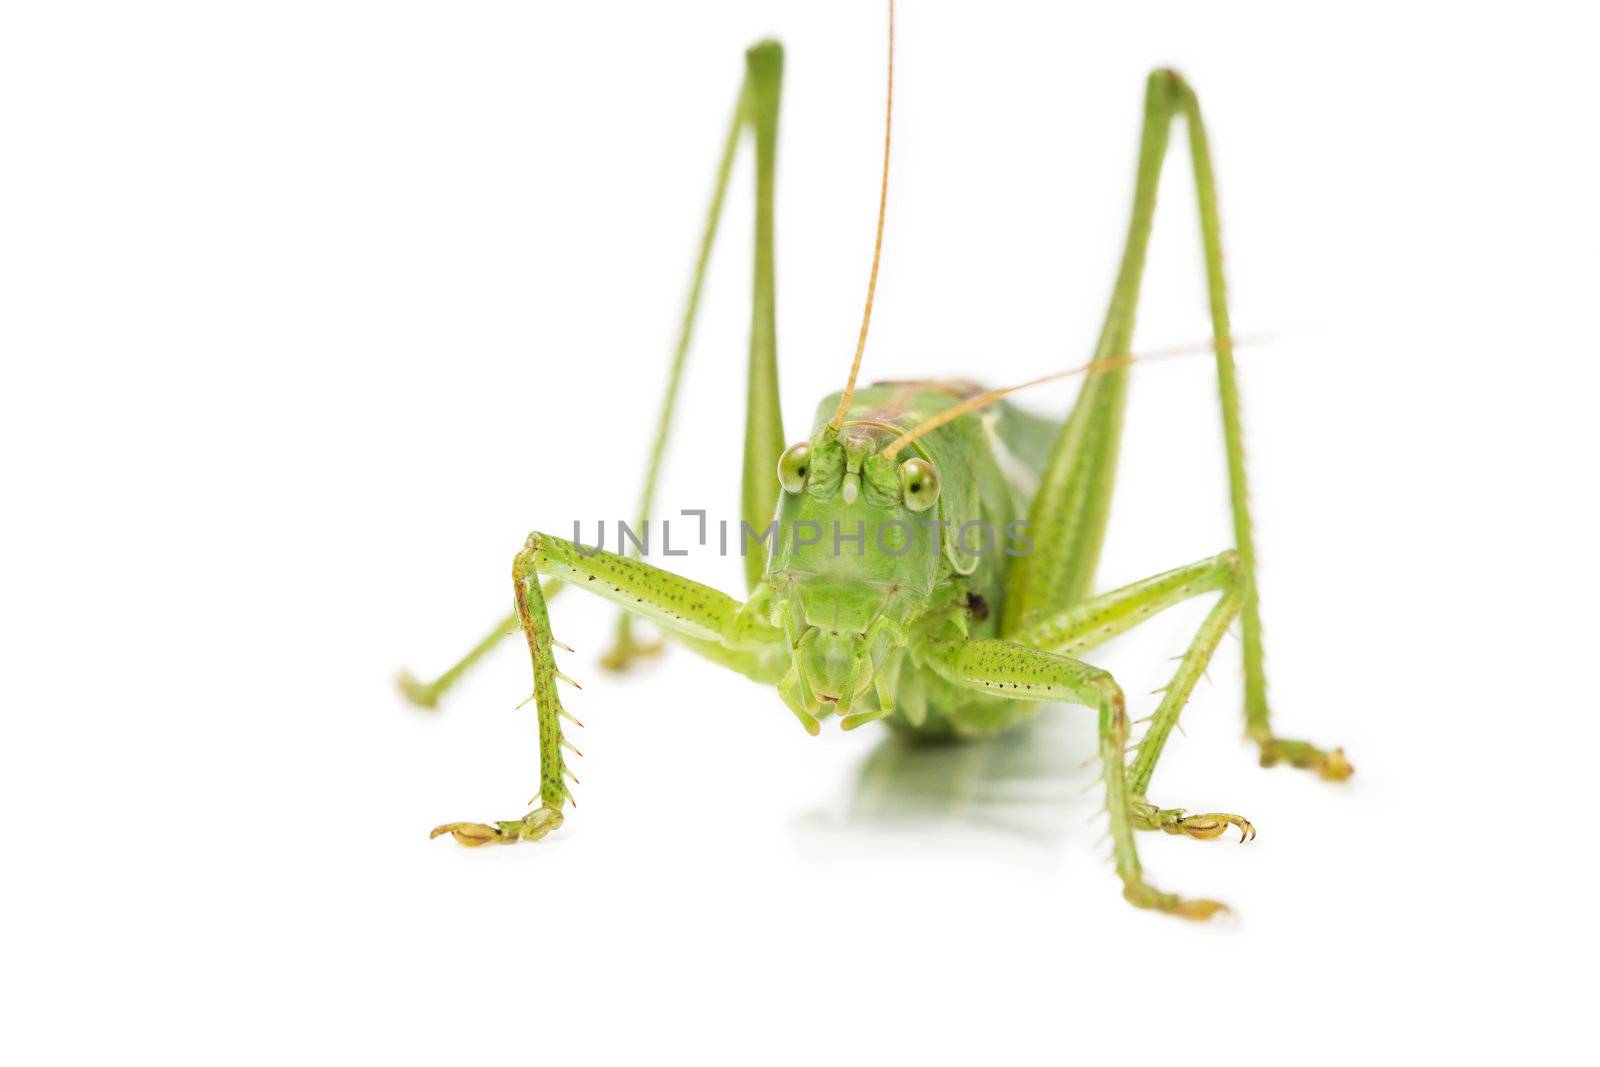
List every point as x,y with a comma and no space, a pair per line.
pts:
1067,519
756,113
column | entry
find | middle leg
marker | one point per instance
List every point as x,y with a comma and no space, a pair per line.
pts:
1092,622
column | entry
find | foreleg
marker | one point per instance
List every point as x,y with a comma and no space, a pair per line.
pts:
706,618
1018,672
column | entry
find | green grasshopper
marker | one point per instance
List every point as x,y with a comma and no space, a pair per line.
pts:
904,614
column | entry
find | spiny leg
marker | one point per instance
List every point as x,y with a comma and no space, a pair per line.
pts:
1173,698
553,792
709,621
1331,765
1092,622
757,112
1069,513
1018,672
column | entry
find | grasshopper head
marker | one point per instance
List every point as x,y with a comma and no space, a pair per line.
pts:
855,556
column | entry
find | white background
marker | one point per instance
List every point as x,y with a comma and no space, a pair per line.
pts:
311,311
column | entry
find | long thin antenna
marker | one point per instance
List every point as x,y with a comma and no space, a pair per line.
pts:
1098,366
877,245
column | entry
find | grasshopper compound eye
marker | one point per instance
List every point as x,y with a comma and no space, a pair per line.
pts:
794,465
919,483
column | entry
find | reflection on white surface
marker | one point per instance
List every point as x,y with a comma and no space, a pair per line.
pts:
316,315
1025,790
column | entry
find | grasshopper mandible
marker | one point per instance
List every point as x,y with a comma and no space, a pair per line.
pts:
912,624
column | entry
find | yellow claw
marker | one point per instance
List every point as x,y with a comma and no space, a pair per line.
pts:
1210,827
1330,766
471,834
1334,767
1198,910
1141,895
531,827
